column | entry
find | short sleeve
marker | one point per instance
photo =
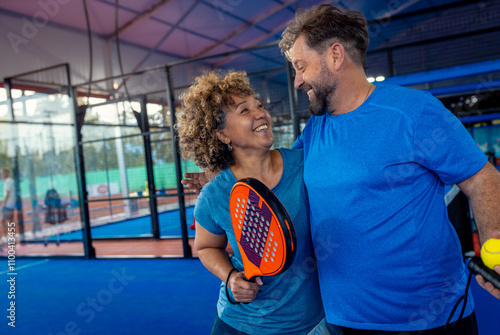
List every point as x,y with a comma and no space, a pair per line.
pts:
299,142
203,211
443,145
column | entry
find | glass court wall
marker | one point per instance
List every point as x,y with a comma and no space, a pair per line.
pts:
37,141
132,164
108,150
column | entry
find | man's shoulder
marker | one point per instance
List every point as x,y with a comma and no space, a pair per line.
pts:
399,93
403,101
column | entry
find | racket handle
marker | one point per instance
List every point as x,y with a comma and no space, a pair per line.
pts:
251,280
477,267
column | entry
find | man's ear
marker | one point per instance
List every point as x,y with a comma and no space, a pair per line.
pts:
335,56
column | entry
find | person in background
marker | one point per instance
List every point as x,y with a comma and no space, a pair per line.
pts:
8,205
225,128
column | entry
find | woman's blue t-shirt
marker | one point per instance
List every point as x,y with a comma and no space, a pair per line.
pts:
289,303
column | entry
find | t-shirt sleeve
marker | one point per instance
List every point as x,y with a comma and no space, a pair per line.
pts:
203,212
304,136
299,142
443,145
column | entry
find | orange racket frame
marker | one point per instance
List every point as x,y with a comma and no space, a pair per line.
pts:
263,229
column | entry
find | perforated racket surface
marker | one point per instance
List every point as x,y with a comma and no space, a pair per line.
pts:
263,229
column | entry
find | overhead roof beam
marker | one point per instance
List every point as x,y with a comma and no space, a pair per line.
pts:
246,26
166,36
155,19
139,18
392,16
189,31
253,42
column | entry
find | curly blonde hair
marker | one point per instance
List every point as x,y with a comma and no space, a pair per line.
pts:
205,105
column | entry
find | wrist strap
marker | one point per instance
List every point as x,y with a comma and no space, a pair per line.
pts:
227,291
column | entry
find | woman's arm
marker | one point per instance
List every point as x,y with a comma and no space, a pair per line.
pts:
212,253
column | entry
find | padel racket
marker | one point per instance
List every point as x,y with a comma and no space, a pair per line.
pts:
264,231
477,267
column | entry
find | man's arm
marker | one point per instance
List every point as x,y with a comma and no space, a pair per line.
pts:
195,181
483,190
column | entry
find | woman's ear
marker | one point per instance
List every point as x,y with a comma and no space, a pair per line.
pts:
223,138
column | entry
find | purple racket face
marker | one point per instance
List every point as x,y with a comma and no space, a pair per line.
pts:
259,233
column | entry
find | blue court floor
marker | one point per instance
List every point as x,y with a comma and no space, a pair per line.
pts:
131,297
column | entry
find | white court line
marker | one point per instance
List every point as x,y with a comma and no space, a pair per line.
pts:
26,266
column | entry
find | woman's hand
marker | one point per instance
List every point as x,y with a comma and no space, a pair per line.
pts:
242,289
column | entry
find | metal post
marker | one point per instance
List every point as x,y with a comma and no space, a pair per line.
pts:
108,185
15,163
155,227
178,170
130,205
292,95
79,116
34,202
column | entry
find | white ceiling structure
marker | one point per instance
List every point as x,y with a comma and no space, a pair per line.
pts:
406,36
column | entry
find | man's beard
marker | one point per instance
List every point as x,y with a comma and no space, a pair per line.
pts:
323,92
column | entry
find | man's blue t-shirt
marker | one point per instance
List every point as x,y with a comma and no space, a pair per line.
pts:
289,303
388,257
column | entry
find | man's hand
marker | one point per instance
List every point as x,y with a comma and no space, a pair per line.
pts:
487,285
195,180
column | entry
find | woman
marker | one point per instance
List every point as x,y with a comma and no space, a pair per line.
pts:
225,128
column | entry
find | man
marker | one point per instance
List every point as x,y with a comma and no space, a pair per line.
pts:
376,161
9,203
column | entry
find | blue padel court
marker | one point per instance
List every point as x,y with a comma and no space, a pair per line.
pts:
131,297
169,223
115,114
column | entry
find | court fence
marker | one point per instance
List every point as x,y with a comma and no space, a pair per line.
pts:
108,150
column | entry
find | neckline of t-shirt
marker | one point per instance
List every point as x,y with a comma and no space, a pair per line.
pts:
359,108
233,177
